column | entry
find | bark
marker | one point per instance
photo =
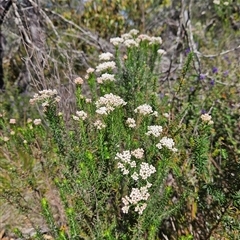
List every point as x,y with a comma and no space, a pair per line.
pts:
4,7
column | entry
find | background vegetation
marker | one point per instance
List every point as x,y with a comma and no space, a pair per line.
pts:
57,178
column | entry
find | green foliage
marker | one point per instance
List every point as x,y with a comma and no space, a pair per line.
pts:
195,188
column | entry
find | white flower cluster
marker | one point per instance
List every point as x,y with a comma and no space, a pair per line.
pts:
131,43
154,130
131,123
146,170
138,153
207,118
108,103
126,36
90,70
142,171
136,197
134,32
144,109
131,39
155,114
105,77
106,66
44,97
99,124
105,56
155,40
78,81
151,40
37,121
144,37
125,156
80,115
166,115
12,121
116,41
168,143
161,52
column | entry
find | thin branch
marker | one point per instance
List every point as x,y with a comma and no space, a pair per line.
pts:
45,16
218,54
19,23
4,7
96,40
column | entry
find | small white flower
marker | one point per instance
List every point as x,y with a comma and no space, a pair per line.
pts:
88,100
102,111
166,142
45,104
126,36
105,66
57,99
90,70
206,117
125,172
105,56
125,209
144,109
116,41
12,121
138,153
130,42
140,208
81,114
120,165
99,124
161,52
125,201
144,37
134,176
110,100
217,2
146,170
131,123
135,196
210,122
156,40
125,156
44,95
155,114
106,77
5,139
78,81
154,130
76,118
29,120
166,115
159,146
174,149
133,32
37,122
132,164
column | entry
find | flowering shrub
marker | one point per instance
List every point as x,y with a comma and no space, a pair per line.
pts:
115,119
127,160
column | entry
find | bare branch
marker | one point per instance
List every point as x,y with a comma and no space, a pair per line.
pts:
217,54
